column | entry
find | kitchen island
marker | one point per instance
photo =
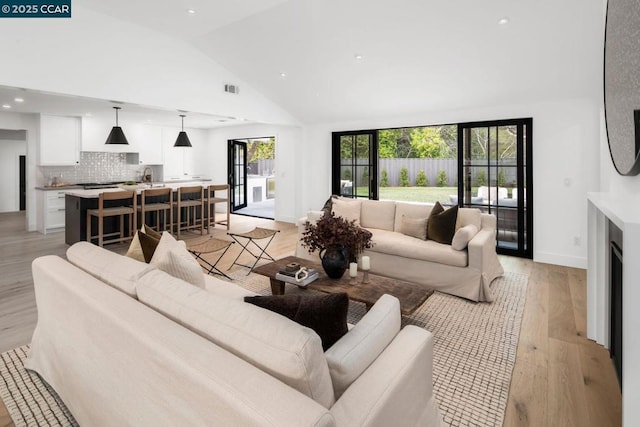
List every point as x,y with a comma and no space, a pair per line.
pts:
78,201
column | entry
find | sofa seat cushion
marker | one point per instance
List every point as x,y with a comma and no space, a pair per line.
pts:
274,344
392,243
118,271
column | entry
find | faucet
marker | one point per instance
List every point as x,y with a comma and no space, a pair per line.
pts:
147,175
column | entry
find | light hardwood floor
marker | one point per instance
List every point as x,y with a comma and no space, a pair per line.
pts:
560,377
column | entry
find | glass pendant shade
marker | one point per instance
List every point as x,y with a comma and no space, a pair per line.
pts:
183,139
116,136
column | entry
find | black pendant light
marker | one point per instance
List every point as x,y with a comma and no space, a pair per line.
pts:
183,139
116,136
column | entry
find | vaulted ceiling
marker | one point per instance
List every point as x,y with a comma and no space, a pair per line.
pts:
332,60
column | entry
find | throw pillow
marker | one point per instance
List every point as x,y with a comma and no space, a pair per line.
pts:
441,225
463,236
172,257
414,227
151,232
348,209
143,252
325,314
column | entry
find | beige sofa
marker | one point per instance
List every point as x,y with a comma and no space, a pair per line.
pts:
466,273
124,343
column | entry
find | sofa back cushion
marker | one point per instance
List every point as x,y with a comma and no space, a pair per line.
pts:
116,270
469,216
272,343
348,209
377,214
410,210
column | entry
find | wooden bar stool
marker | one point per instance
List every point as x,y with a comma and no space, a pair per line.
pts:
120,204
160,201
189,199
211,201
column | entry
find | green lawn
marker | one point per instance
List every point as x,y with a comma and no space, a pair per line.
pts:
413,194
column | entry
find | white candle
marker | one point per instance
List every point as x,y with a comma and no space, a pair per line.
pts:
353,269
366,263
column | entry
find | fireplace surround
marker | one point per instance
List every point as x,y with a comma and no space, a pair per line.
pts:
624,213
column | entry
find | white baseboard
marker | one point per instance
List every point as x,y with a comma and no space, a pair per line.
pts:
290,219
559,259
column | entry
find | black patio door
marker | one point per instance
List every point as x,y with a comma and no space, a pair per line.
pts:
495,175
354,164
237,167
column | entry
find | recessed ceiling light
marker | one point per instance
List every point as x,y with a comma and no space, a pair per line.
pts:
503,21
358,56
283,75
191,11
7,106
18,99
88,114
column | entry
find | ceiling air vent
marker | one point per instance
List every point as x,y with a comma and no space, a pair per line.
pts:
231,89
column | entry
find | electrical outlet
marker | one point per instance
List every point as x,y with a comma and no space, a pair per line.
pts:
576,240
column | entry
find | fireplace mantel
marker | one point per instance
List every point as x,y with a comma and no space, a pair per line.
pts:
625,214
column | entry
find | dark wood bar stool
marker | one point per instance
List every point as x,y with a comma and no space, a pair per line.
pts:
160,201
119,204
189,217
210,203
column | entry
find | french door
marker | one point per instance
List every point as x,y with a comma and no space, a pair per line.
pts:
237,167
495,175
355,166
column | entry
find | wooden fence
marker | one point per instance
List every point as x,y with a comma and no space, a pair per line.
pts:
431,168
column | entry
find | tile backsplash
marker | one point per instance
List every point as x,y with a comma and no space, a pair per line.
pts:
96,167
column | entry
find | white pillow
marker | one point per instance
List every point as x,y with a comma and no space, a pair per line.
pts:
348,209
172,257
463,236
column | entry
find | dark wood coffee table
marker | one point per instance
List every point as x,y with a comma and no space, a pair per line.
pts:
411,296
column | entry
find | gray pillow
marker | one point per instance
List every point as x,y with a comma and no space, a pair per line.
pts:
414,227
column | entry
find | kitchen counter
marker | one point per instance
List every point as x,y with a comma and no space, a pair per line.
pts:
79,200
59,188
93,193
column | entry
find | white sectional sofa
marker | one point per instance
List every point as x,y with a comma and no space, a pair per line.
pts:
466,273
124,343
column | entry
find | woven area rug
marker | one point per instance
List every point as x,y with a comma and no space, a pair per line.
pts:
29,400
475,345
474,353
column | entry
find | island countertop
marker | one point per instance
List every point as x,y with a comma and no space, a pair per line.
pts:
93,193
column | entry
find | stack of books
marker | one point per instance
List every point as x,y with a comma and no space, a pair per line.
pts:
290,276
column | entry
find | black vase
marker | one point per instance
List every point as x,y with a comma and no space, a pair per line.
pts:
335,260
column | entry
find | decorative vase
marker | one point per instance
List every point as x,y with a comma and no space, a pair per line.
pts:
335,260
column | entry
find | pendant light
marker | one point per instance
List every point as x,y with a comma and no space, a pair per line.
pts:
116,136
183,139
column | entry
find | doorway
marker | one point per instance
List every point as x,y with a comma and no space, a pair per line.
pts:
23,182
496,175
251,165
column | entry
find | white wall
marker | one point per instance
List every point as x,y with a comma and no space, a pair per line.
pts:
94,55
289,186
10,152
30,123
566,142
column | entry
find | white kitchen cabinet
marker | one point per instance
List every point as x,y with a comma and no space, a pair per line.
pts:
181,162
50,210
147,142
94,135
59,141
